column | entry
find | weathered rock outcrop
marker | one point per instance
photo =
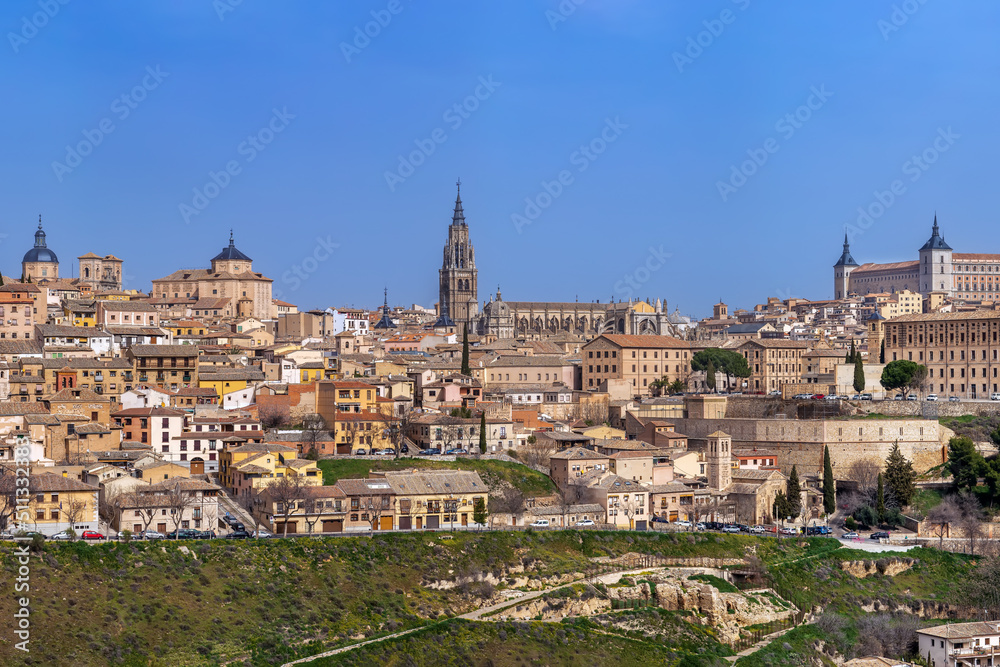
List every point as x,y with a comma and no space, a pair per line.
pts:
886,566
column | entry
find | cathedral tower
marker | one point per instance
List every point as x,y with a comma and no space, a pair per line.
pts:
842,271
458,275
719,460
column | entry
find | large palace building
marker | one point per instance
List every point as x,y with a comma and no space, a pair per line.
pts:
938,269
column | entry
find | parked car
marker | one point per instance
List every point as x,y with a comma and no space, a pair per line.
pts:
360,452
91,535
818,397
730,529
61,535
954,399
757,530
898,397
911,397
817,530
403,449
776,392
238,535
660,519
205,535
584,523
230,519
800,397
879,535
427,452
849,536
183,534
931,397
263,534
151,535
700,526
788,531
389,451
995,396
856,397
539,523
684,523
458,450
866,397
833,397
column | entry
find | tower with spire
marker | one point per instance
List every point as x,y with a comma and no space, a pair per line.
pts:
458,277
40,263
386,321
842,271
935,263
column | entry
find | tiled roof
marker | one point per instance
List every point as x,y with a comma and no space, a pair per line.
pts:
78,394
164,350
948,317
891,266
435,482
647,341
578,453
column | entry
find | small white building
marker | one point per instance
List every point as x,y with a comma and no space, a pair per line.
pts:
974,644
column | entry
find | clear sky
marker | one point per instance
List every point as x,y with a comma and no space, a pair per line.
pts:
643,109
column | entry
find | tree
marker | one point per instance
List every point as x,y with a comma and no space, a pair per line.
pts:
864,473
570,495
710,376
177,501
852,355
630,508
285,492
829,484
313,428
725,361
479,511
780,506
859,374
965,463
273,415
982,588
793,493
944,514
902,374
74,510
881,354
900,476
144,505
251,499
537,453
374,506
482,433
466,370
880,500
676,387
971,519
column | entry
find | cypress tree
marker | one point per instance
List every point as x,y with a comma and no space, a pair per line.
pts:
859,374
465,351
853,354
710,375
793,494
829,485
482,434
880,499
881,354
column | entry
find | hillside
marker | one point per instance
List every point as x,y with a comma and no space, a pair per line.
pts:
269,601
529,481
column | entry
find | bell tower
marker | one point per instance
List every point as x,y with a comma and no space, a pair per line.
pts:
458,277
842,271
719,458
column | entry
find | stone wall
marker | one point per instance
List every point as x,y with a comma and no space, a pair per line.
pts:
800,442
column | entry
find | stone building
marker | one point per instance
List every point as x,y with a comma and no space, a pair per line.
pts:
458,277
938,269
100,274
230,284
40,264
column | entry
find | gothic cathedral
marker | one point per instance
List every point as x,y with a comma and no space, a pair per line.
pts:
458,297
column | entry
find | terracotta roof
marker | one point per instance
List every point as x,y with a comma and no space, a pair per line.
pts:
164,350
947,317
891,266
578,453
647,341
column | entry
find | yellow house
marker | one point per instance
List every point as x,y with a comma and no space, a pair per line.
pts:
260,337
186,328
80,313
311,371
57,503
254,466
227,380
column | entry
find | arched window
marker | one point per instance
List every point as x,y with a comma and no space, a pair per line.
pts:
86,272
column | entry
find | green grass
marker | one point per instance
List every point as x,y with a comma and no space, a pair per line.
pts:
924,500
722,585
458,642
529,481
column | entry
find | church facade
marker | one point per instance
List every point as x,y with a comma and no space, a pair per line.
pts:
938,269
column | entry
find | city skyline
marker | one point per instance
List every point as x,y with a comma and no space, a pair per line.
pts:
678,99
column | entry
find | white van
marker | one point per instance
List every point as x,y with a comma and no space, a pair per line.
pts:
539,523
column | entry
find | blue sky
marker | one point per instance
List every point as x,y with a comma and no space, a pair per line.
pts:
642,109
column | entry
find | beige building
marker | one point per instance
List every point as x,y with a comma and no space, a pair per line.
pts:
230,282
100,274
960,350
773,362
638,359
40,264
575,462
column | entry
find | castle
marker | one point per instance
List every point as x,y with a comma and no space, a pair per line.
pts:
938,269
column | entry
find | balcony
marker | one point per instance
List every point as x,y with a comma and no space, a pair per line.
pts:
99,377
142,377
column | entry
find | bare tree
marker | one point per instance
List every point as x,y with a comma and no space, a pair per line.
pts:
505,500
745,508
273,415
286,492
313,429
944,514
393,428
312,509
537,453
630,508
8,496
74,510
572,494
251,499
178,501
594,412
982,588
864,472
374,506
970,519
143,504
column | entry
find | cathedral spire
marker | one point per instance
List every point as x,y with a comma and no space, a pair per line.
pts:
458,218
845,258
386,321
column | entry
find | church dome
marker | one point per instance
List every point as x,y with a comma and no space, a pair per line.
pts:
231,252
40,253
